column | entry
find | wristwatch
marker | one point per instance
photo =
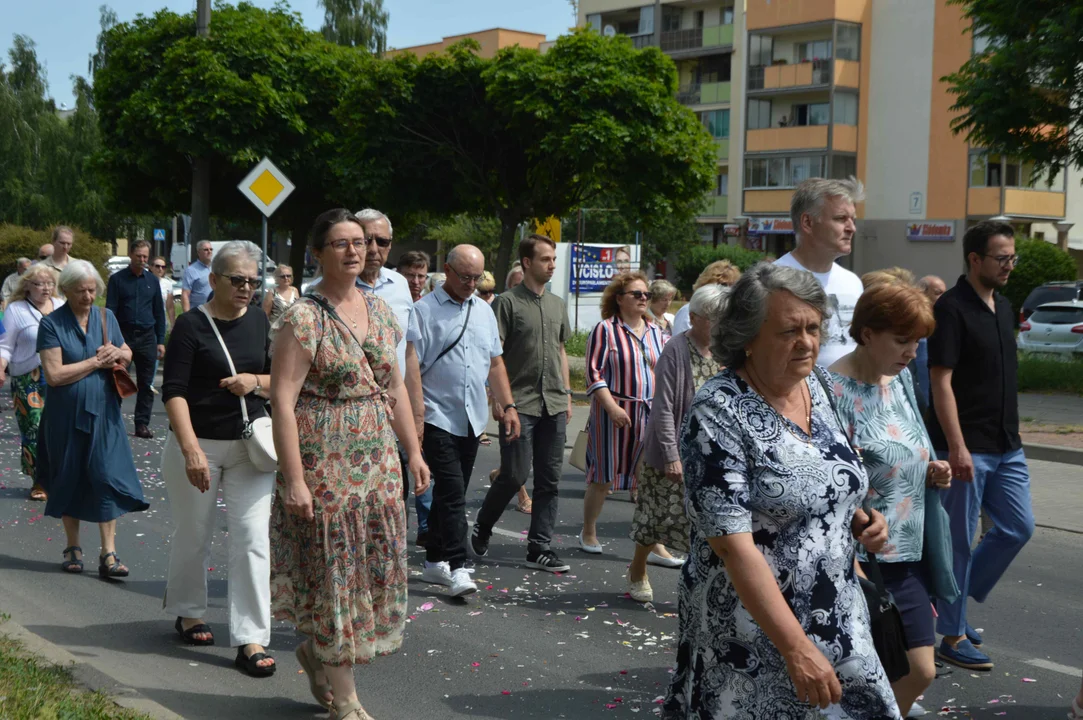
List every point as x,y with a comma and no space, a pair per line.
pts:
568,391
509,406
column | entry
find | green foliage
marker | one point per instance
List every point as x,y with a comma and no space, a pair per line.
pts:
1022,95
576,345
525,135
1043,373
17,241
691,263
1039,262
356,23
484,232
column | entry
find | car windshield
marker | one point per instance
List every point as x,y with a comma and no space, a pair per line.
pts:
1043,295
1058,316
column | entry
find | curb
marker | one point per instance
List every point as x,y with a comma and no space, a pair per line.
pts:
1053,453
85,674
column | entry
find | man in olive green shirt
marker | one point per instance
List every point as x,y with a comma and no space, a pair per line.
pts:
533,329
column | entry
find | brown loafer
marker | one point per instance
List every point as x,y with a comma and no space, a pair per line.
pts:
142,431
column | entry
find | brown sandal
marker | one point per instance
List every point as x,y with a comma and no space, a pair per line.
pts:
307,659
38,493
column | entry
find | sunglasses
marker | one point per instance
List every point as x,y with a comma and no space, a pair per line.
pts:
159,266
639,294
42,257
286,277
239,281
381,241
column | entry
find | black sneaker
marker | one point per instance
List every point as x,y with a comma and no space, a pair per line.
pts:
546,560
479,541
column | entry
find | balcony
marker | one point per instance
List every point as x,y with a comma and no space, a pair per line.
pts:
768,201
641,41
764,14
848,73
704,93
722,149
1018,202
778,77
717,206
695,38
788,138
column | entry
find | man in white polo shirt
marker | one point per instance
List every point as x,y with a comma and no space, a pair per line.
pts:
825,221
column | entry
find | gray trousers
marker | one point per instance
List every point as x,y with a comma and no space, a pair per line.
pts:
541,442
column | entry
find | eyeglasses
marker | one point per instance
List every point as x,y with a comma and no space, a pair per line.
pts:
159,266
286,277
381,241
43,285
43,257
340,245
466,279
239,281
639,294
1005,260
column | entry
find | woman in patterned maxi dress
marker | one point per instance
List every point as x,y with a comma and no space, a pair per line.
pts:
338,528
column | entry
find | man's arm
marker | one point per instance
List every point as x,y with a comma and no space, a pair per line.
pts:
170,308
565,373
498,383
186,300
947,412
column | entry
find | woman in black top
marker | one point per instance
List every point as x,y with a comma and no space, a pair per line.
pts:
205,450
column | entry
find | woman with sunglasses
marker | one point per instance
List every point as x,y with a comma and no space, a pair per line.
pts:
621,352
205,450
34,297
282,296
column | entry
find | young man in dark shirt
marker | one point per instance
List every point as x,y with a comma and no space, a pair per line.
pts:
975,426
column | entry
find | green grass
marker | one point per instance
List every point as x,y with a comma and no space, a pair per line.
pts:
1050,374
576,345
578,379
33,690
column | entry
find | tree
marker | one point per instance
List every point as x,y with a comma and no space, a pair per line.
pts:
260,85
108,20
356,23
483,232
1021,96
525,135
1039,262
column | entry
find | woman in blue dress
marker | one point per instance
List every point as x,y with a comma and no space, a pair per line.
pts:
773,622
84,459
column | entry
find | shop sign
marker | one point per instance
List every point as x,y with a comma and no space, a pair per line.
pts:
731,230
770,226
931,231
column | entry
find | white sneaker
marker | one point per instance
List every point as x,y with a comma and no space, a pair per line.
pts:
461,583
437,573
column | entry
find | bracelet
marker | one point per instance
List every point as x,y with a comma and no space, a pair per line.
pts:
510,407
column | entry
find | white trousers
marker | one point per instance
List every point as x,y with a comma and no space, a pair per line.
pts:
247,494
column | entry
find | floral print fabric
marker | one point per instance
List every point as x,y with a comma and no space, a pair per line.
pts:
748,470
341,579
891,436
29,399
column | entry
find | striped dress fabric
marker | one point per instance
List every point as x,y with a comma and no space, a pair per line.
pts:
623,363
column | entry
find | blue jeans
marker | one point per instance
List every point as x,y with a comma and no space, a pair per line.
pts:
1001,485
422,502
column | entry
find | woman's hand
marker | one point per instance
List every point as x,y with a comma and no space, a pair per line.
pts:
108,355
240,385
420,471
938,475
674,471
812,676
618,416
870,529
298,500
197,470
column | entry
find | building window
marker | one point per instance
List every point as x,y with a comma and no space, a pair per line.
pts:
717,123
845,108
722,184
671,19
646,20
727,16
849,39
809,114
1039,235
759,114
712,69
781,172
595,22
698,19
843,167
760,50
985,171
813,50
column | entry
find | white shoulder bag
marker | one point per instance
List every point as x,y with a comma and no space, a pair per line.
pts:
257,436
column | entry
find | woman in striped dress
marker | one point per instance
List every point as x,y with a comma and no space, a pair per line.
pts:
621,352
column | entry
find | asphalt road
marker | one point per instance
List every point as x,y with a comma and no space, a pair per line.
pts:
528,645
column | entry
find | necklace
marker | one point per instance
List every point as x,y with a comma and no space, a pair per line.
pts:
806,403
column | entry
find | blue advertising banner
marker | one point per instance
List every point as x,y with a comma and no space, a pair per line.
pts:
592,267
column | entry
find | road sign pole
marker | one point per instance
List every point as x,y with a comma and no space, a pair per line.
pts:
263,262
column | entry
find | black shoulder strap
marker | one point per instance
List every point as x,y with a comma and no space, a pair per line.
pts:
334,315
449,348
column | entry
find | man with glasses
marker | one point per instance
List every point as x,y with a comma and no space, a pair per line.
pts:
11,280
533,329
196,285
414,266
458,347
135,297
975,427
395,290
157,266
45,252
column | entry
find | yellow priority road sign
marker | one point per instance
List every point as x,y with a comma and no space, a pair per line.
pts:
266,187
549,227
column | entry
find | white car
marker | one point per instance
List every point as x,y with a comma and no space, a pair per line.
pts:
1055,327
117,262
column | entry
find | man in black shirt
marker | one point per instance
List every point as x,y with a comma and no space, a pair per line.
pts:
975,426
135,297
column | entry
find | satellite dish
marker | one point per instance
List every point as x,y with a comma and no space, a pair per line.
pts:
609,31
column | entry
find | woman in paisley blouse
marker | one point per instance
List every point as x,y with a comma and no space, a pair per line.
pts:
877,401
773,622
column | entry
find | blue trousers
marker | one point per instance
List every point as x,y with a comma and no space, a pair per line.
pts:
1001,485
422,503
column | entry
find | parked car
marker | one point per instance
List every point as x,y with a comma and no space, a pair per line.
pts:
1051,292
117,262
1054,328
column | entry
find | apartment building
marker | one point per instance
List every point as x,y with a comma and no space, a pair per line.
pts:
793,89
490,41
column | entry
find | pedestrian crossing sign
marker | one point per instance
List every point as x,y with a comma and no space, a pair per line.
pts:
159,234
266,187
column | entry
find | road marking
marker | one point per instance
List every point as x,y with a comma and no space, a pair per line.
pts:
1055,667
509,533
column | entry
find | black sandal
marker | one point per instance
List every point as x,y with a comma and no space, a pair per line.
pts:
189,635
114,570
70,564
248,663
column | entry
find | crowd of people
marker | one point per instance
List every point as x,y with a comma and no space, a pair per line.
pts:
815,447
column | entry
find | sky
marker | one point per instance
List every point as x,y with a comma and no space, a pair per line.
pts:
65,31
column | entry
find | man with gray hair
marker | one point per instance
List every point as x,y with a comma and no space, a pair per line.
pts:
196,285
9,282
395,290
825,220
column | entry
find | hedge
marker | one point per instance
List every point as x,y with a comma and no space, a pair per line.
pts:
1039,262
691,263
17,241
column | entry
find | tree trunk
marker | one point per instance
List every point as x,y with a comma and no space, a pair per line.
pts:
508,226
